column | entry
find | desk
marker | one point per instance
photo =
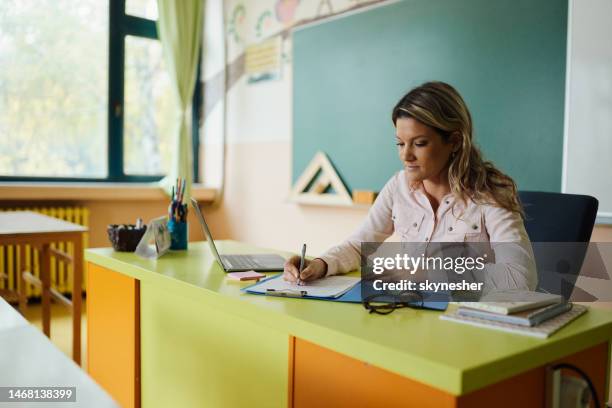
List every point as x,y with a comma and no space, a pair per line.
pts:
28,359
40,231
9,318
176,332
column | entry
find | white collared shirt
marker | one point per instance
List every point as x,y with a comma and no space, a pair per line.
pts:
407,212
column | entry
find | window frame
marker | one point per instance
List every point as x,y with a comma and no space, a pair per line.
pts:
120,25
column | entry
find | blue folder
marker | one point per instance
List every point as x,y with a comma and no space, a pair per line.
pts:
431,301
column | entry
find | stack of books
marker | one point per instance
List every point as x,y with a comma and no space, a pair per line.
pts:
532,313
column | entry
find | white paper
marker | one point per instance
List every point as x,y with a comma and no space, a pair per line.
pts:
331,287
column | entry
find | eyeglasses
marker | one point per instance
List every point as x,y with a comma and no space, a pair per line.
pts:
385,303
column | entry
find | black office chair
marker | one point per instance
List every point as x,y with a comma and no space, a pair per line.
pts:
557,217
566,220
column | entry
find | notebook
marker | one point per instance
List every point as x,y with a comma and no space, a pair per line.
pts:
542,331
531,317
512,301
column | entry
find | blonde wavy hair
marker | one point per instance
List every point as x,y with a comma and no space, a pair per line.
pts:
439,105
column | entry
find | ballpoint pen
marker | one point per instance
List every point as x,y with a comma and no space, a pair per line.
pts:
299,280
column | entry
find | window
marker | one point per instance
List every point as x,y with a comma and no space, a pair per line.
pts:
142,8
150,113
53,88
84,92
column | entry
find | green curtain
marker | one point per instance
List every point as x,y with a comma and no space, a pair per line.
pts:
180,25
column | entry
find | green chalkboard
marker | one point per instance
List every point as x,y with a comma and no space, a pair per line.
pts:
506,57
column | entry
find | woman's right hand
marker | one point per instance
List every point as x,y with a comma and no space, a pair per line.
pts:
314,269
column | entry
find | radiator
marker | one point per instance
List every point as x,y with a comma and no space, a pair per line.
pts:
61,273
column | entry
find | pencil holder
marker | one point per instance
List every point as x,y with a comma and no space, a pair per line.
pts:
178,234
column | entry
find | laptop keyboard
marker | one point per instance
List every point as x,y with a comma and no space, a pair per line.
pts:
240,261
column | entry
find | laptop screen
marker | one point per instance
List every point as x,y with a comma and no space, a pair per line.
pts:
209,237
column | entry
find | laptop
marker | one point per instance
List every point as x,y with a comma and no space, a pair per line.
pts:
239,263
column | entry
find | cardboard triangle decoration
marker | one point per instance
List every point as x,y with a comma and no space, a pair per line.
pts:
318,176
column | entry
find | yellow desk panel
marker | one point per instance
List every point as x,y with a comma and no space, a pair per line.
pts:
195,354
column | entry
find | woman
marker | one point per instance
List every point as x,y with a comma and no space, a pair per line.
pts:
446,192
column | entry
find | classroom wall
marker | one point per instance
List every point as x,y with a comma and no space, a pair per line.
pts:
255,208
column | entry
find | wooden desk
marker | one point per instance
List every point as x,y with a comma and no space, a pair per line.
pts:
194,339
40,231
28,359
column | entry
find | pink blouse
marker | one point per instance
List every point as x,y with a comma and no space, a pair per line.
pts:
407,211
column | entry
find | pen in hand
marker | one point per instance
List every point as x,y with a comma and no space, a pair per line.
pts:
299,280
